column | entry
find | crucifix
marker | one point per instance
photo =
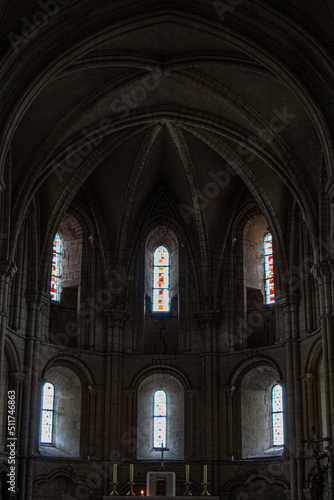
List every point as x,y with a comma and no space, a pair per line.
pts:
314,441
162,449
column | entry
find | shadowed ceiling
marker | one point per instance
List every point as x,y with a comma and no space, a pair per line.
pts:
141,102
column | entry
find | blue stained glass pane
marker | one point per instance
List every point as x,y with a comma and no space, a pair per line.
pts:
277,416
269,269
47,425
159,432
160,403
159,419
161,277
161,256
48,394
55,287
47,413
160,301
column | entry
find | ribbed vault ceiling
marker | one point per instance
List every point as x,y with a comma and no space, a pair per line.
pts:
161,108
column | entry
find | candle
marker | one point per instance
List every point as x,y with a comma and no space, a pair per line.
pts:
187,473
205,473
131,473
142,493
114,476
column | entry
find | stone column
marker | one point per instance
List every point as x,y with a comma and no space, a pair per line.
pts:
115,322
16,379
322,273
7,271
290,434
208,322
31,396
230,435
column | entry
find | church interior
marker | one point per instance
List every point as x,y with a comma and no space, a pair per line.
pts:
166,248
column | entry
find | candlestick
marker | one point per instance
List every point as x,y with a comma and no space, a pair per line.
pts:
187,483
131,493
131,473
114,491
114,475
205,473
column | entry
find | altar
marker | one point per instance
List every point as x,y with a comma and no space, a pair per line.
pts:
159,498
160,483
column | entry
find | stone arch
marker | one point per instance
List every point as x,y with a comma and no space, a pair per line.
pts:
60,480
259,485
73,382
252,384
177,387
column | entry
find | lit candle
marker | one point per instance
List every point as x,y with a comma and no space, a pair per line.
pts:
114,475
205,473
142,493
187,473
131,473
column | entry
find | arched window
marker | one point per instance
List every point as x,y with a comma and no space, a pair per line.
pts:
56,269
159,419
277,415
47,413
160,279
269,269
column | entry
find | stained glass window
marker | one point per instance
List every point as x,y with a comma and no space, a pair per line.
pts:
47,413
159,419
56,269
161,279
269,269
277,415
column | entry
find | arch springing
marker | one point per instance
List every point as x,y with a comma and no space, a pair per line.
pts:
47,413
269,269
160,279
159,419
55,288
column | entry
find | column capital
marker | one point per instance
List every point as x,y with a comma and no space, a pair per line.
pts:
322,270
7,269
17,377
329,188
288,300
208,318
38,300
115,317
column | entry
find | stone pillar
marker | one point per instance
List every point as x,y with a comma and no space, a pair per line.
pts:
311,403
31,395
16,379
322,272
208,322
7,271
115,322
231,449
94,425
290,434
